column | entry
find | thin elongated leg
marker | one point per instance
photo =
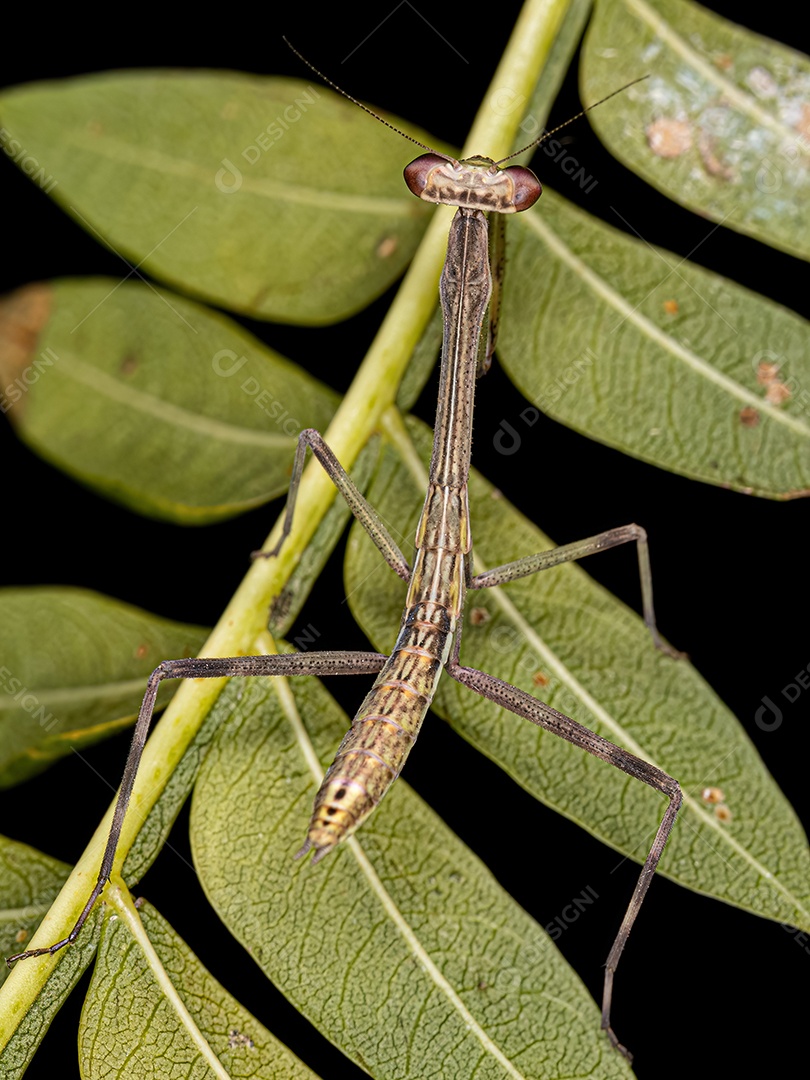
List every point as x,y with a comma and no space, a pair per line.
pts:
532,564
523,704
356,501
325,663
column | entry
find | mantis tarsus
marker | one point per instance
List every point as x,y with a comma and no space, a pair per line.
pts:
387,723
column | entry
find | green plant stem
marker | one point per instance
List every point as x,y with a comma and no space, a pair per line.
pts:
359,415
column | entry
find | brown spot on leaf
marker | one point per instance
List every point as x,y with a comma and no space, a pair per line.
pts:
712,795
749,417
23,316
21,936
669,138
711,162
766,372
671,307
141,652
776,391
478,616
715,797
723,61
128,365
539,679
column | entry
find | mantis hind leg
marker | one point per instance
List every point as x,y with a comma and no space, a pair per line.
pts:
523,704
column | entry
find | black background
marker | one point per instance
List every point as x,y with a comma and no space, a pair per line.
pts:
703,987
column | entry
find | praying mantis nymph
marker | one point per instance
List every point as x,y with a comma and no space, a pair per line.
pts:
388,721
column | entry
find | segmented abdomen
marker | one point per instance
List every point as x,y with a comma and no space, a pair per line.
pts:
375,747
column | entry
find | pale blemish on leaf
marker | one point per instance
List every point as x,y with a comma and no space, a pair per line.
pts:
762,83
387,247
237,1038
776,391
669,138
767,371
740,96
713,795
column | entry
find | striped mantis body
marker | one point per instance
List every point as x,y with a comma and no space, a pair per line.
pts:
388,721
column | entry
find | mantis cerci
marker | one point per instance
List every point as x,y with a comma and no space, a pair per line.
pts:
374,750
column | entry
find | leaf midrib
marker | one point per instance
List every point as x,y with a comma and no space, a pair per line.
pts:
730,91
601,288
66,695
124,907
107,386
145,157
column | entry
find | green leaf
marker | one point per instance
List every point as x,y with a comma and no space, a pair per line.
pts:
153,1010
595,662
413,968
669,362
721,124
202,438
29,881
280,927
271,197
74,668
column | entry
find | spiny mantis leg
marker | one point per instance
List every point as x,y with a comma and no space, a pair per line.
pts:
324,663
523,704
357,503
531,564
